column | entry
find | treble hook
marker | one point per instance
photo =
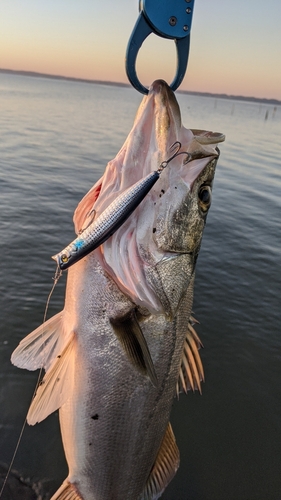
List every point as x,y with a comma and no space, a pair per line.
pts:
177,153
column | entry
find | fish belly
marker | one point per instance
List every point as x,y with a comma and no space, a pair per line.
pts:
114,421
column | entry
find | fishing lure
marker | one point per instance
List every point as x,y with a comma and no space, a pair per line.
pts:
112,217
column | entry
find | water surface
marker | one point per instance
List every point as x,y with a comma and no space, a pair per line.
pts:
56,138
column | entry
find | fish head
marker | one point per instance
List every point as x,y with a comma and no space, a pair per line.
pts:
160,241
176,232
181,207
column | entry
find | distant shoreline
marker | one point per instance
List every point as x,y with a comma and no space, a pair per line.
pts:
119,84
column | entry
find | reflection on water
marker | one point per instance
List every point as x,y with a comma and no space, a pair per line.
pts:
56,138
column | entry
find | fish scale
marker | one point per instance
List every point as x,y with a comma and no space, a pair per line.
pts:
112,401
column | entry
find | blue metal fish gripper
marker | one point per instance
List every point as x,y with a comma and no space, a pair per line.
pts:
168,19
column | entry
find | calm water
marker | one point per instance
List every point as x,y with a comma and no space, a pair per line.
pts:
55,140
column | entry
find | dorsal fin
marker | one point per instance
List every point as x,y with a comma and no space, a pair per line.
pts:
191,372
165,467
129,333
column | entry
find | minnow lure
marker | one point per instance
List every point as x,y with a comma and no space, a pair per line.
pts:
112,217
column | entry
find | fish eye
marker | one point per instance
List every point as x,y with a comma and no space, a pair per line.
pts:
64,258
205,197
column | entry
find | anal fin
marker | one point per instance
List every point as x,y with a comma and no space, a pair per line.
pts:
165,467
130,335
67,491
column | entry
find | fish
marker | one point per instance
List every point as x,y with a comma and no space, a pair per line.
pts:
125,343
111,218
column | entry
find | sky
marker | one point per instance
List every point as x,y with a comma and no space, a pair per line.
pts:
235,45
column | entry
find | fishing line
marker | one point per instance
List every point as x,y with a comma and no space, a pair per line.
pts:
56,278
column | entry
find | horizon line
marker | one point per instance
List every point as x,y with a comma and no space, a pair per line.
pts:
37,74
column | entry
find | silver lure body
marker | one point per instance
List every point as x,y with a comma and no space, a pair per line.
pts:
107,223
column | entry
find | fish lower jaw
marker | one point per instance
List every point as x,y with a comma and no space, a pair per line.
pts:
172,255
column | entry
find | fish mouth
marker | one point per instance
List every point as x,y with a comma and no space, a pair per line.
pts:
166,101
207,137
168,256
141,243
166,117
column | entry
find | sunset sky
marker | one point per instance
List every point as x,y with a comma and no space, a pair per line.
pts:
235,45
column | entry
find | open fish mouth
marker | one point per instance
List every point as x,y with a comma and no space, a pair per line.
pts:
148,237
156,127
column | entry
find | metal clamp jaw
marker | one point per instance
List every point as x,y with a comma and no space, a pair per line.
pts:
168,19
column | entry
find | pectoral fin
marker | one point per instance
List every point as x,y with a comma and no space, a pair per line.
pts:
129,333
165,467
191,371
67,491
55,387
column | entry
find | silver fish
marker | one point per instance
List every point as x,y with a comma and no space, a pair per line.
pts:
125,344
